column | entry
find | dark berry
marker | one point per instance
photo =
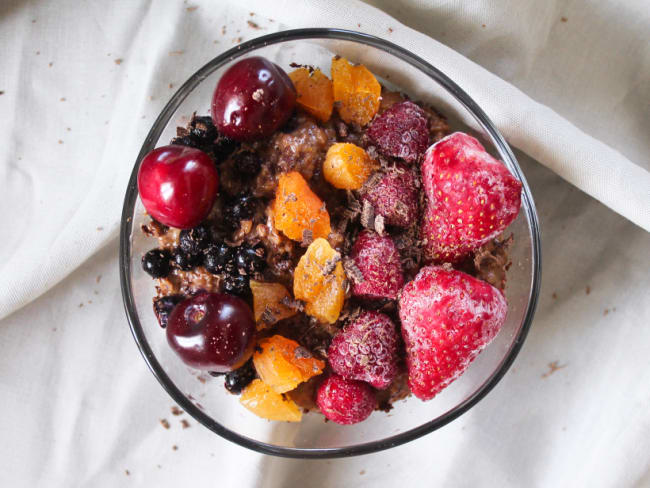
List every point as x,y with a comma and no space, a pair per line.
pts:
203,129
212,331
236,285
218,258
248,163
188,140
185,261
195,240
157,263
178,185
241,207
253,98
163,306
250,259
239,379
222,147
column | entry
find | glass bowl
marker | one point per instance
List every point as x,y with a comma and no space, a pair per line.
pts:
204,397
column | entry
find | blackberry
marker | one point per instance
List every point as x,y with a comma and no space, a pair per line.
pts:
218,258
239,379
184,260
188,140
248,164
223,147
241,207
203,129
236,284
163,306
156,263
193,241
250,259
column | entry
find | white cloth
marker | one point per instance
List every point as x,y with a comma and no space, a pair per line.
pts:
79,406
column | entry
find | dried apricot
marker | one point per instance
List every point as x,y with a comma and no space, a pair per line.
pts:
267,303
347,166
319,280
264,402
283,364
357,91
314,92
297,209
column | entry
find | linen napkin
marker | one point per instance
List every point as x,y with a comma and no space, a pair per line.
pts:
75,115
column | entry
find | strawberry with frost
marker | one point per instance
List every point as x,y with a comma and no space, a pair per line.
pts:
471,198
447,317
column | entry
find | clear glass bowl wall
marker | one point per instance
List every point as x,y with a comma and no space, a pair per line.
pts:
208,401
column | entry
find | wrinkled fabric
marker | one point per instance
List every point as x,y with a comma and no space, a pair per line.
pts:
565,81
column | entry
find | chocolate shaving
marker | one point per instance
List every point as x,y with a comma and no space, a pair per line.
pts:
293,304
379,224
267,316
301,353
352,271
309,67
368,215
307,237
330,264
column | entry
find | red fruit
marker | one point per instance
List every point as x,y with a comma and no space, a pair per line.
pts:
447,317
402,131
212,331
345,401
472,198
366,350
178,185
253,98
379,262
395,196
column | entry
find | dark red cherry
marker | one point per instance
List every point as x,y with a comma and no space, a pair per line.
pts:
253,98
212,331
178,185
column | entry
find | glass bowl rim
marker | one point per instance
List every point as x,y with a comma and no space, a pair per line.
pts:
132,194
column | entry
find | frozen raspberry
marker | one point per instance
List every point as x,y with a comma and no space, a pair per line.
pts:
379,262
345,401
401,131
366,350
447,317
395,196
472,198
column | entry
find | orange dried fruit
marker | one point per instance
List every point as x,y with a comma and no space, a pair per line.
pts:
357,91
267,303
347,166
297,209
264,402
283,364
319,280
314,92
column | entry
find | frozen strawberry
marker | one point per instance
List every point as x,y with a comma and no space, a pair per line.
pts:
345,401
378,260
401,131
447,317
366,350
472,198
394,195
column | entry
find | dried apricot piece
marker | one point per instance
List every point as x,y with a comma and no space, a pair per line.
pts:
297,209
283,364
264,402
314,92
267,303
357,91
347,166
319,280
